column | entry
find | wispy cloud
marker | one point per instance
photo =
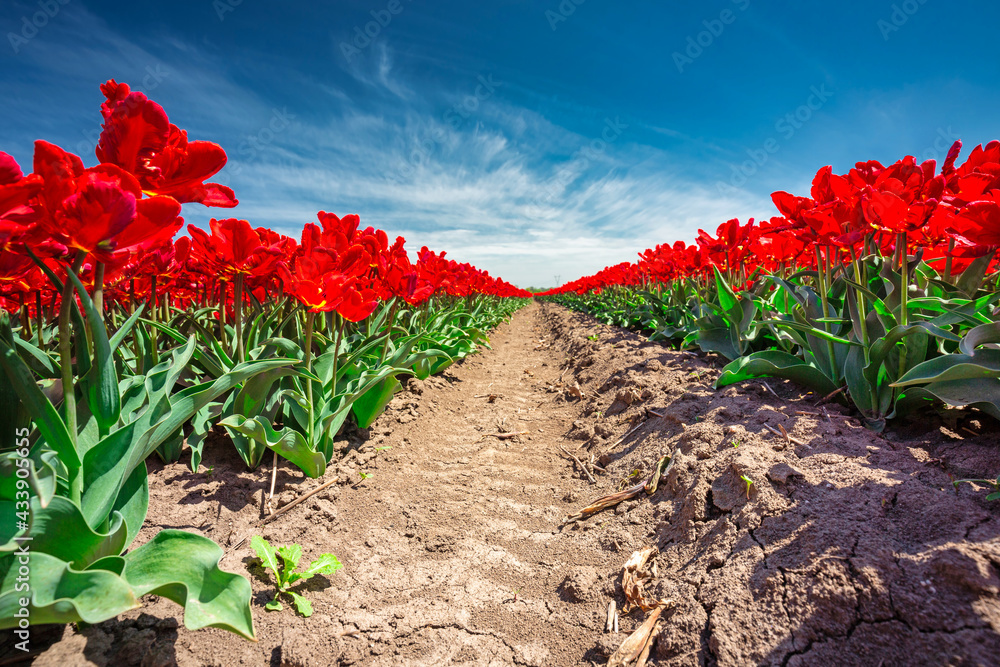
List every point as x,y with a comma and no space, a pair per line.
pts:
456,168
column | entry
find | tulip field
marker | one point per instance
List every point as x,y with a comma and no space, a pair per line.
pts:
137,355
120,339
881,288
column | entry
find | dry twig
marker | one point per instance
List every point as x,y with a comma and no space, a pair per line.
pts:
274,478
579,463
789,438
831,395
505,436
627,434
773,393
297,501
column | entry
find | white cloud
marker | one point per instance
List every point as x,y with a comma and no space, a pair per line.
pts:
499,185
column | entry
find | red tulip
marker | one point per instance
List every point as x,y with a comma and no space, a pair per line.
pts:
138,137
234,247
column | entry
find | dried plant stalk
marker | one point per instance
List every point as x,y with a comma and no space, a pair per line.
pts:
632,647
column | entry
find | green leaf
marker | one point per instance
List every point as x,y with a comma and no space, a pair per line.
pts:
252,397
111,461
133,501
62,594
125,328
858,387
266,553
774,363
202,424
302,605
287,442
44,365
983,364
290,554
274,605
43,470
44,415
325,564
720,340
184,567
61,531
982,394
371,404
811,330
727,298
981,335
972,278
101,381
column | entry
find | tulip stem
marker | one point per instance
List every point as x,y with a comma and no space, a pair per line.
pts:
222,313
862,309
39,320
948,260
821,273
310,319
99,289
904,295
153,343
238,309
66,361
25,319
338,327
388,330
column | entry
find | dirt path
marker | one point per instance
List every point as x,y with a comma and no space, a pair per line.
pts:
451,545
847,549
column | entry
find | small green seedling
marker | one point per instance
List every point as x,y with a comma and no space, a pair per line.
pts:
517,591
365,475
749,484
210,471
987,482
286,575
382,449
736,444
594,337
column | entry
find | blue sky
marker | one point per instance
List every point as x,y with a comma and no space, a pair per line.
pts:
533,138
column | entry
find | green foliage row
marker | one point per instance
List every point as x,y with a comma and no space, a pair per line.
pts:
890,344
74,490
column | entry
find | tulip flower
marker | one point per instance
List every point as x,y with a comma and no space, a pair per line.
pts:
138,137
